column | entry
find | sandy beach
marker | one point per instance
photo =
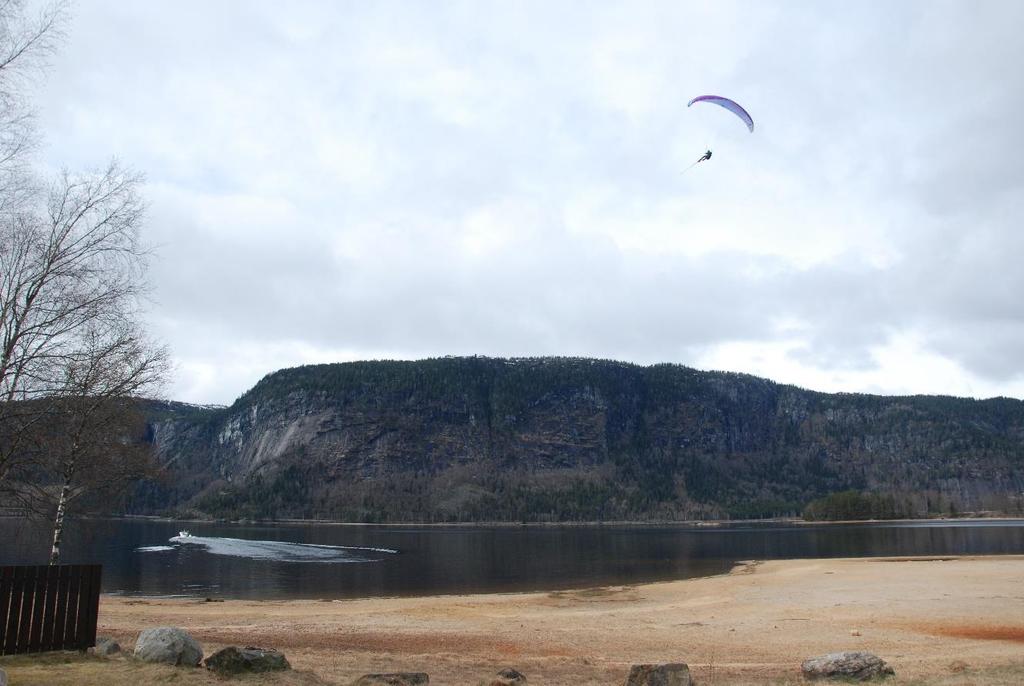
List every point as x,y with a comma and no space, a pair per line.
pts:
926,616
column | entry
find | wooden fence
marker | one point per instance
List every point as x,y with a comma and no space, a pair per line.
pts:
48,607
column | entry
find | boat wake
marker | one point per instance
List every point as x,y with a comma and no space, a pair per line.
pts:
276,551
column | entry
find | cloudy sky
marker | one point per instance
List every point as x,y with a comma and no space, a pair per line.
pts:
333,181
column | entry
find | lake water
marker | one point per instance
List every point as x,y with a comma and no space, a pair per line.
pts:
143,557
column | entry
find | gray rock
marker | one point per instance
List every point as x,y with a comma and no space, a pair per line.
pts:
232,660
396,679
169,645
106,646
508,677
3,678
674,674
858,666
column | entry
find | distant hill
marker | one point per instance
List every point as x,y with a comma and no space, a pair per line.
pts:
568,439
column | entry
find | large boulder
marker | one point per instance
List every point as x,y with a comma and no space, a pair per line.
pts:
674,674
106,647
508,677
396,679
232,660
170,645
850,665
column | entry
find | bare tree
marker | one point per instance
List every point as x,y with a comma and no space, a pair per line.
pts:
74,354
74,357
26,45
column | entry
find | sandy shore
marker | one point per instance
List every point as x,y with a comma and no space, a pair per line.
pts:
923,615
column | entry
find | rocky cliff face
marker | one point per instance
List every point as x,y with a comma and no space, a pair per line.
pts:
543,439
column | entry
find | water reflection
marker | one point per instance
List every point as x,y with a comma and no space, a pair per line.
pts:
298,560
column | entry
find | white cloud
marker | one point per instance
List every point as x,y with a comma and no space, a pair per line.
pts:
351,181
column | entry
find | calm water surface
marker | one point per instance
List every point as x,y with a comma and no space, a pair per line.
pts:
337,561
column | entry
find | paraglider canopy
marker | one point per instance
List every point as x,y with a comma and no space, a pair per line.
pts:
728,104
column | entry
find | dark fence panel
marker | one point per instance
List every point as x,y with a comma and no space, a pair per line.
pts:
48,607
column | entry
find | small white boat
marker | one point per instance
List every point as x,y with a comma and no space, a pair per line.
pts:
184,534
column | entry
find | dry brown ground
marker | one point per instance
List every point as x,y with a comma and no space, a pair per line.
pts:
936,621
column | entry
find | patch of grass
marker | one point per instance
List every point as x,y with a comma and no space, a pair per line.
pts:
76,669
1009,675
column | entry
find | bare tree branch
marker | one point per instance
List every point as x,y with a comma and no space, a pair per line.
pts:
74,357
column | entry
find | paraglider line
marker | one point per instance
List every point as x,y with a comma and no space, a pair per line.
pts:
691,166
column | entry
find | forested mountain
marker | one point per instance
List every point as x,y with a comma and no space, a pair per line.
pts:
549,439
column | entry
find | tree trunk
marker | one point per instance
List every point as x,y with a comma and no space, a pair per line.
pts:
58,522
